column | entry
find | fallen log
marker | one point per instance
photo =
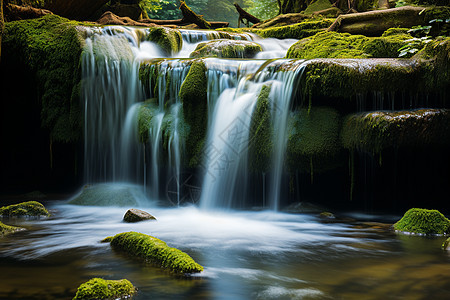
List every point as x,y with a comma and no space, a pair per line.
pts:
181,22
15,12
243,15
374,23
191,17
108,18
282,20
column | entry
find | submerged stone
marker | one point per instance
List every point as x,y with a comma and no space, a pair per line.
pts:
155,251
109,195
375,131
446,245
98,288
136,215
24,209
423,221
226,49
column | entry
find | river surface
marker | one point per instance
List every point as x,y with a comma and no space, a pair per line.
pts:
246,255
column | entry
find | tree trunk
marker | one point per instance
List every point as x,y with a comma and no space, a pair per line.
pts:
374,23
191,17
2,26
243,15
16,12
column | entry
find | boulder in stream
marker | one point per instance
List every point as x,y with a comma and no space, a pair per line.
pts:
136,215
423,222
98,288
226,49
7,229
446,244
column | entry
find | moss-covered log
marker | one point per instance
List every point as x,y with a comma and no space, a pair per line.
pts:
244,15
17,12
374,23
24,209
98,288
375,131
423,221
155,251
226,49
296,31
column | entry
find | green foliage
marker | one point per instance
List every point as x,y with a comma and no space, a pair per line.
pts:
50,47
155,251
423,221
98,288
264,9
30,209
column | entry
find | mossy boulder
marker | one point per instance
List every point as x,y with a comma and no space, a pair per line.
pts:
330,44
313,140
98,288
375,131
155,251
226,49
24,209
168,39
109,195
296,31
7,229
134,215
146,113
423,221
193,95
50,48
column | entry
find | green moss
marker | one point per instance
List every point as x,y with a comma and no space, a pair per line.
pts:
261,133
7,229
423,221
394,31
145,115
375,131
296,31
168,39
98,288
314,139
195,110
156,251
226,49
330,44
30,208
50,47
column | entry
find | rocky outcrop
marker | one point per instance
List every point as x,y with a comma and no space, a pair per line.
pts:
134,215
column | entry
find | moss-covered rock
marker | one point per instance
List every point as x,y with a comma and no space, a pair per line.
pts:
7,229
145,116
98,288
50,47
193,95
423,221
24,209
261,133
374,131
155,251
313,140
330,44
168,39
296,31
226,49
